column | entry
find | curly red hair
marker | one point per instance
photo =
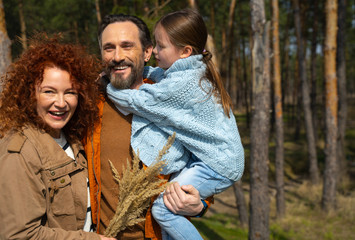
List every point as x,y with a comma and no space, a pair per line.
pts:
18,102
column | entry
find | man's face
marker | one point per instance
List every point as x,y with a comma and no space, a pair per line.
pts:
123,54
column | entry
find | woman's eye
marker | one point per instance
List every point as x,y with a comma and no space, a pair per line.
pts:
72,93
48,91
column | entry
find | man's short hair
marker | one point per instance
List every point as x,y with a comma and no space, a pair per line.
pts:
144,34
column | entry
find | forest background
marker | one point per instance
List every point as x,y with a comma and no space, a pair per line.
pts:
288,66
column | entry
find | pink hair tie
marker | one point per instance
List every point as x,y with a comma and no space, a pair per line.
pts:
206,55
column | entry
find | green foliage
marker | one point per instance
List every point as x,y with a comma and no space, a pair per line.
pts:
304,219
77,20
277,233
220,226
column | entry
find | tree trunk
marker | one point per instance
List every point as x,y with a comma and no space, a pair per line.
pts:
232,74
210,46
223,44
5,43
23,25
246,83
212,21
260,124
279,153
76,31
245,68
240,83
342,93
228,50
156,7
331,109
286,93
312,152
241,203
98,13
192,4
297,102
231,82
314,68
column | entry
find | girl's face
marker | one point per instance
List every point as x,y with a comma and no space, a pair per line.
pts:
56,99
165,52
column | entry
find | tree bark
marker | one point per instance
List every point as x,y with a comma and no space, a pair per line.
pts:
331,110
5,44
279,153
312,152
241,203
342,93
260,124
23,25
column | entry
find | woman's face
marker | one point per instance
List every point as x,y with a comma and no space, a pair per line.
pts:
56,99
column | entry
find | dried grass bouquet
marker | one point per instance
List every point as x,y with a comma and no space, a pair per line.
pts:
136,188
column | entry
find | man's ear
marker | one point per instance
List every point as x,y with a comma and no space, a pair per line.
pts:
186,52
148,53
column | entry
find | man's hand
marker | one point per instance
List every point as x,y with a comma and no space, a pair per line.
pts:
184,200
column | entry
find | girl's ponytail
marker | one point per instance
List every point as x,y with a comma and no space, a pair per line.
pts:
214,77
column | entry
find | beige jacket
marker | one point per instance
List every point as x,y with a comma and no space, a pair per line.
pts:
43,191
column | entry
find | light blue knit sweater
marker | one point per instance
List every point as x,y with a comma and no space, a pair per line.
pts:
177,103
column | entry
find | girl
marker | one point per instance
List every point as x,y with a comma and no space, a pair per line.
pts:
189,99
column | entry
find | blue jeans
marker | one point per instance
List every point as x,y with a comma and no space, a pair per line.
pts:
206,181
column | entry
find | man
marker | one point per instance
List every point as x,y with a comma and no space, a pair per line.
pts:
125,46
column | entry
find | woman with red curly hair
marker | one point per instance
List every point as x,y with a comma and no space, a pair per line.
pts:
47,105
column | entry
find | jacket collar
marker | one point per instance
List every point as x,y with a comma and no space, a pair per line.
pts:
48,150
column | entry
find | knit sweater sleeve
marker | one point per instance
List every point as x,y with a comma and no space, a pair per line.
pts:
155,74
150,101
